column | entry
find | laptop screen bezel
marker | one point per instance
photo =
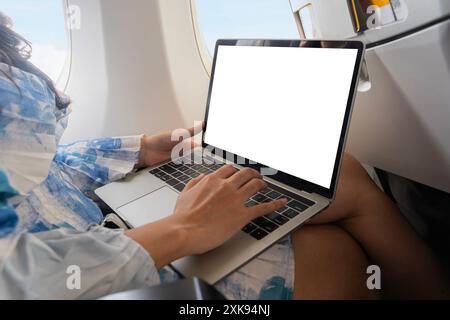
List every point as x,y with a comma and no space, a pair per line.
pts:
283,177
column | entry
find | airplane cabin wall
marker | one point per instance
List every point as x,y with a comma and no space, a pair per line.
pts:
135,69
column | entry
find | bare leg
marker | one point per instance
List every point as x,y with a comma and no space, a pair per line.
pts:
409,269
329,264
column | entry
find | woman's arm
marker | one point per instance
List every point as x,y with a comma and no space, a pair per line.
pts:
91,164
210,210
37,266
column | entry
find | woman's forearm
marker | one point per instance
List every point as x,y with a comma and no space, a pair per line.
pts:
142,153
164,240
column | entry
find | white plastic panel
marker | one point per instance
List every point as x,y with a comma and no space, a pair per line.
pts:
135,69
420,12
403,124
333,18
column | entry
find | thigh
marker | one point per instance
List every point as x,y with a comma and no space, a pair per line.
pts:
329,264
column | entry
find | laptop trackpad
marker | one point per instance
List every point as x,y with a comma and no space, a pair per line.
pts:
150,208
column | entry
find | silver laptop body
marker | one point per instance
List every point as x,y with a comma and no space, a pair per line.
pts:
151,194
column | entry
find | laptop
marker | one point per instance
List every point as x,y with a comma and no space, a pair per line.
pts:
279,106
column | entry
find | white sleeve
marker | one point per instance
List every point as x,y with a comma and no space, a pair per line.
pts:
41,266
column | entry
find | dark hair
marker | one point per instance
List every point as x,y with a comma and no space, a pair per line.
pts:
15,51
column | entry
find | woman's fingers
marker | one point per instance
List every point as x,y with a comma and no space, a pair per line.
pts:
252,187
197,129
225,172
193,182
187,145
192,131
243,177
266,208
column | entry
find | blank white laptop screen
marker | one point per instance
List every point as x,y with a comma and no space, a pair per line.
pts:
281,107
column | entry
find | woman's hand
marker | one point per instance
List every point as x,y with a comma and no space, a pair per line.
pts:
210,210
158,148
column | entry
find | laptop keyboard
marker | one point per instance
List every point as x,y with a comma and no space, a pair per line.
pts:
178,175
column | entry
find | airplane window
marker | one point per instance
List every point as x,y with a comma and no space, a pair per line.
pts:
43,24
245,19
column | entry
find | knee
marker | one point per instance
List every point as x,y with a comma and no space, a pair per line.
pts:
354,177
357,188
351,161
352,168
